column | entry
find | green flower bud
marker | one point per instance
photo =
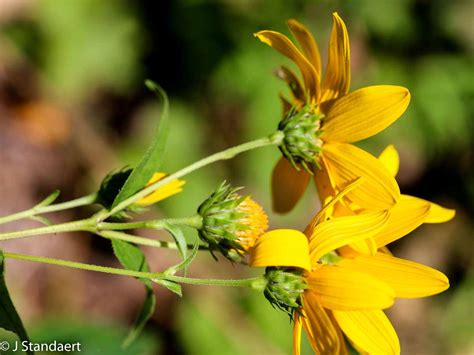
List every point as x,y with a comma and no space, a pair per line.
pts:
230,222
284,288
302,129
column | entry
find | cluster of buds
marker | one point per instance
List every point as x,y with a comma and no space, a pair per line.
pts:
302,129
231,223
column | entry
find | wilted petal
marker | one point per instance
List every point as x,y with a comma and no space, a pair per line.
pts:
282,44
288,185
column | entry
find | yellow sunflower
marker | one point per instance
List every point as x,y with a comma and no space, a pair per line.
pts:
341,118
346,292
172,188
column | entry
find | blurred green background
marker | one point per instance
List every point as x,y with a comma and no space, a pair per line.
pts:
73,107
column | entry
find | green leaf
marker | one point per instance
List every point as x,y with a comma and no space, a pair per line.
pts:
170,285
132,258
153,157
42,220
49,200
9,318
185,263
178,236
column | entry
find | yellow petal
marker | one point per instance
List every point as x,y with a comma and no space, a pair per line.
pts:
341,288
346,162
439,214
338,72
337,232
288,185
409,213
282,44
366,246
307,42
324,184
297,334
171,188
390,159
281,247
408,279
293,83
319,327
370,331
325,211
364,112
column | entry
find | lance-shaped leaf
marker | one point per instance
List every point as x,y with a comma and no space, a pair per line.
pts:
185,263
153,157
9,318
178,236
132,258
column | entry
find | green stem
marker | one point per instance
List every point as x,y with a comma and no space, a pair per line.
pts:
82,266
274,139
75,226
255,282
252,282
82,201
144,241
193,222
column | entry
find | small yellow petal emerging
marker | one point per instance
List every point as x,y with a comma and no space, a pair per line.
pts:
390,159
171,188
370,331
364,113
281,247
255,219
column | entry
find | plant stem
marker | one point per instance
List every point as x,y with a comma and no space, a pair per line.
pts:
193,222
82,201
274,139
255,282
82,266
110,234
215,282
81,225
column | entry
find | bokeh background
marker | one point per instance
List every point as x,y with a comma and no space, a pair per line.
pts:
73,107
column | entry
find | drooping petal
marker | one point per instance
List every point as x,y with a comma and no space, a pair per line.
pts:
319,328
370,331
341,288
307,43
288,185
346,162
337,232
297,326
390,159
407,278
408,214
338,72
282,44
438,214
281,247
364,112
172,188
293,83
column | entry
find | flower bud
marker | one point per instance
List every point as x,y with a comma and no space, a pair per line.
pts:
231,223
284,288
301,145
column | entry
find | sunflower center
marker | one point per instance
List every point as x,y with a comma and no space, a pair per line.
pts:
302,129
